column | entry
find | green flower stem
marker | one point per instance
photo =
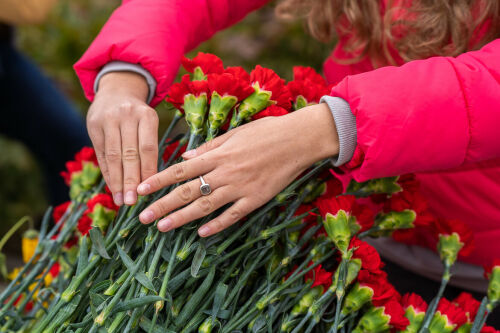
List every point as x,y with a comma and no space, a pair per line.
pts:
120,317
163,142
340,291
99,321
481,316
433,305
13,229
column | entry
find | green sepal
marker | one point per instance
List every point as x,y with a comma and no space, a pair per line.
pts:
396,220
220,106
373,321
415,319
300,102
353,268
338,230
256,102
198,74
465,328
195,109
102,216
439,324
356,298
448,247
387,185
494,286
84,180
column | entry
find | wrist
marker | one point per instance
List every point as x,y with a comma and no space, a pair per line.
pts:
318,131
129,83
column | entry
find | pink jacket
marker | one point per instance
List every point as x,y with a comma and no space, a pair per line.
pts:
438,117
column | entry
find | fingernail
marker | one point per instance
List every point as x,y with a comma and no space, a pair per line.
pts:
165,224
143,188
118,198
147,216
189,153
130,198
204,231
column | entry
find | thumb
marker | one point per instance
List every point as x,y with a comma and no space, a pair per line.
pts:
206,147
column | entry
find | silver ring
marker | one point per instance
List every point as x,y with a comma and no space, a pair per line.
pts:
205,188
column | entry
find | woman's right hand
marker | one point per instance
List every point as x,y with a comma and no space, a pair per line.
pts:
124,132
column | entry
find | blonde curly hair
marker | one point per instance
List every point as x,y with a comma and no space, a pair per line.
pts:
417,29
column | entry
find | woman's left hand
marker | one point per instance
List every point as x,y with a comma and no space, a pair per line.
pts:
246,166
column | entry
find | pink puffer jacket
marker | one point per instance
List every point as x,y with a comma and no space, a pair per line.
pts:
439,117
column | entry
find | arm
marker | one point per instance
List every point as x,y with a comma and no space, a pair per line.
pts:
155,34
426,115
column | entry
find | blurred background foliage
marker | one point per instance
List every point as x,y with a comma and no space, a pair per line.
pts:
55,46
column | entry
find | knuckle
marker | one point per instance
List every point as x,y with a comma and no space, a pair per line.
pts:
235,214
205,205
179,171
125,107
160,207
130,181
113,155
130,154
219,225
184,193
148,148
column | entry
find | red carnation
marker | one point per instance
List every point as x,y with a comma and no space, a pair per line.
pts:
84,225
85,155
363,214
227,84
370,259
270,111
102,198
383,291
467,303
448,227
409,182
207,62
301,73
396,313
59,211
410,200
454,315
320,276
71,242
489,268
306,208
267,79
178,90
415,301
239,73
489,329
55,269
333,187
170,149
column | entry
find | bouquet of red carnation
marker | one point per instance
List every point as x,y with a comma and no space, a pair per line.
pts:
300,263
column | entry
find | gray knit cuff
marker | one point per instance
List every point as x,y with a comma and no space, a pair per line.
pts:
346,128
122,66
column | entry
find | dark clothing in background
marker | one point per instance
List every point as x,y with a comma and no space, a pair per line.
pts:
33,111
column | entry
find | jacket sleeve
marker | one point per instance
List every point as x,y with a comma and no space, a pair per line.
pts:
426,115
155,34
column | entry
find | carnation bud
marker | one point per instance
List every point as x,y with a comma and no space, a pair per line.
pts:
337,228
195,108
206,326
102,216
29,244
83,180
448,248
386,185
356,298
306,301
220,106
396,220
494,287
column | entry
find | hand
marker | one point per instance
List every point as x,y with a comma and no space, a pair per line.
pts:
246,166
124,132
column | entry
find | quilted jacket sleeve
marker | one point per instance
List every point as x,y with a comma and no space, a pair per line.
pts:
426,115
155,34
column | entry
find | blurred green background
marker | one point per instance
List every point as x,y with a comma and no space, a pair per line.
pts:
55,46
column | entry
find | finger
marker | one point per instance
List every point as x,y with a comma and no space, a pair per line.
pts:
130,161
207,146
113,153
177,173
232,215
199,208
97,138
179,197
148,144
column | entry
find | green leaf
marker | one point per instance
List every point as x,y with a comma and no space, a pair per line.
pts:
220,294
139,276
83,257
199,256
98,242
